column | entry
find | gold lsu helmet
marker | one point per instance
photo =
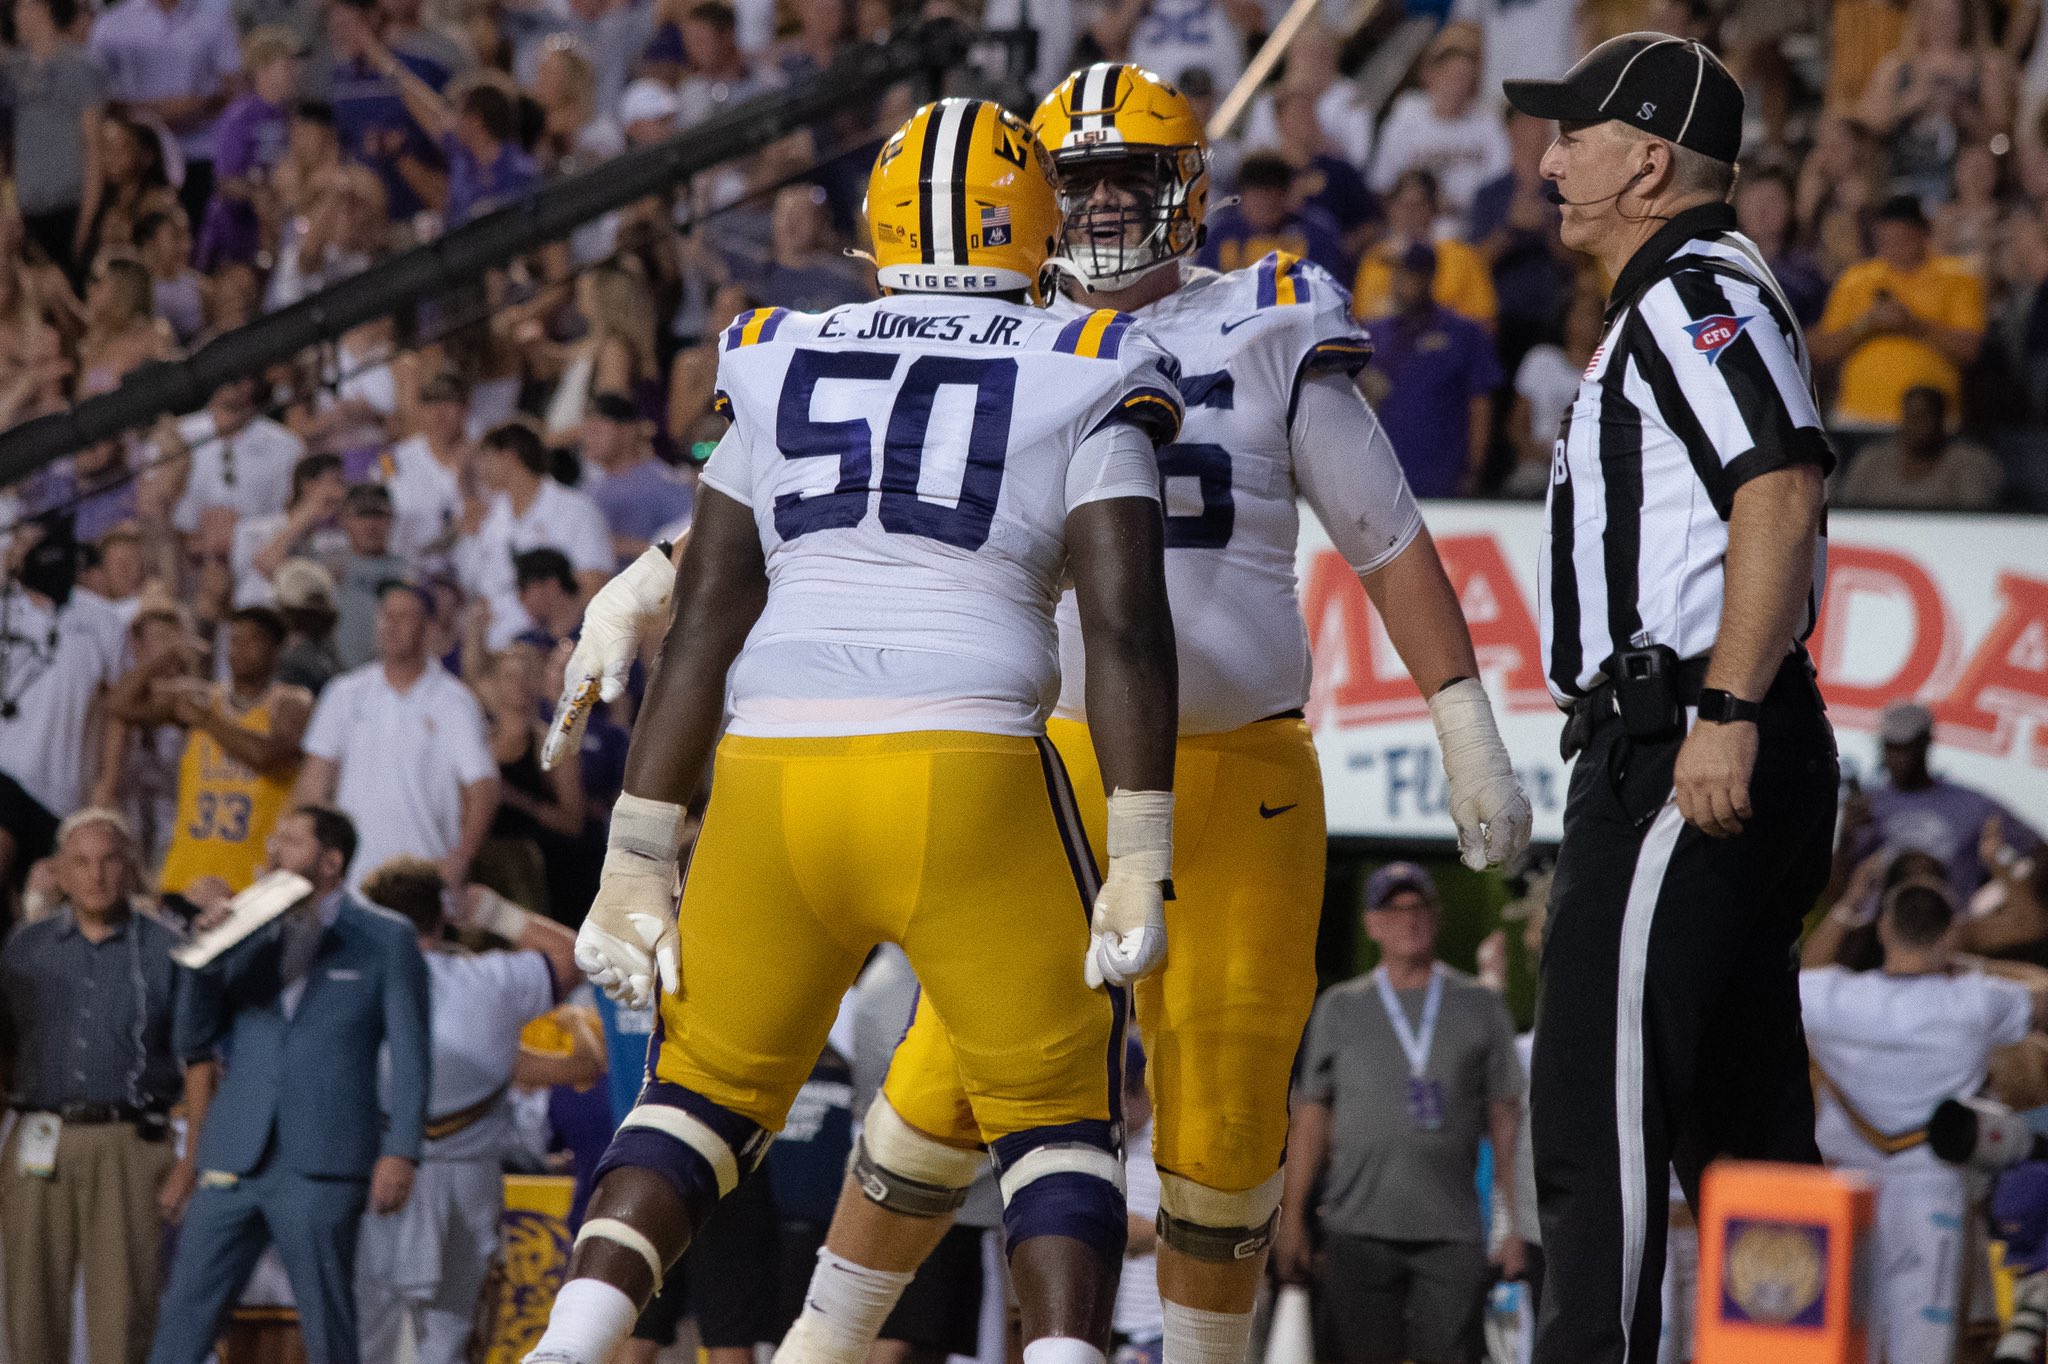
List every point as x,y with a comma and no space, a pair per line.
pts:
961,201
1117,124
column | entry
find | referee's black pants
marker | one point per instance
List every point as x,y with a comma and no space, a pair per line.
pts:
1668,1033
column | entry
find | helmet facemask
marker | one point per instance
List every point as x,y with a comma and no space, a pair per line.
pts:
1126,210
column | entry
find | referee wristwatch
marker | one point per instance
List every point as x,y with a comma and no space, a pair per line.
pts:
1726,708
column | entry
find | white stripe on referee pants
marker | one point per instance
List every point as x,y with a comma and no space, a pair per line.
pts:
1652,860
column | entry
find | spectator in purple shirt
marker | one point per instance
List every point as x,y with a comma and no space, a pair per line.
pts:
1763,210
638,494
478,133
95,485
369,116
803,271
549,594
1267,219
1438,373
1917,811
487,168
1513,223
1323,179
248,143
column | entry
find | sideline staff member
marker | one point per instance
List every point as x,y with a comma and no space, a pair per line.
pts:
1682,564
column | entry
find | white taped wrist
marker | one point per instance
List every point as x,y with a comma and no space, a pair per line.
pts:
1140,828
1463,717
648,829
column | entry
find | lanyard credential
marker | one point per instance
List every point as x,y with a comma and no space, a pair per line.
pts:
1414,1044
1425,1096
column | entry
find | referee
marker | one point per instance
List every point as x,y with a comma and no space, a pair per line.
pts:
1681,567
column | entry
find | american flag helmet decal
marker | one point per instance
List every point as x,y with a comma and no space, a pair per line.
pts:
995,225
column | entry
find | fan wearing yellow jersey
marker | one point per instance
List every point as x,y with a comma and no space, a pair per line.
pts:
241,756
866,606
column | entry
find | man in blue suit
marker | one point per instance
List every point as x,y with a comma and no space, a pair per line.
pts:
295,1144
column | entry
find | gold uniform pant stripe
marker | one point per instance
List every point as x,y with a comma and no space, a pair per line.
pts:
815,850
1222,1022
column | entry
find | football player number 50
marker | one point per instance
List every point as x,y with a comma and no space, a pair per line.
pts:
903,511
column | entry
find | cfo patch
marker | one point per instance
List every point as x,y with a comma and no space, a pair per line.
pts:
1712,335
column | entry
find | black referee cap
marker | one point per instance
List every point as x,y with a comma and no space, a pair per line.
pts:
1669,87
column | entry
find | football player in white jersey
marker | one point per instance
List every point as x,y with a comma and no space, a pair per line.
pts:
1267,356
869,590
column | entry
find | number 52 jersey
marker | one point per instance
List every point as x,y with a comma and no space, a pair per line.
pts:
910,463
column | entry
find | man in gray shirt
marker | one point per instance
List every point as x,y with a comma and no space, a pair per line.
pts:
1403,1071
362,570
56,93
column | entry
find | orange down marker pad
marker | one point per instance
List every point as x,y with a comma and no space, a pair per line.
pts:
1783,1278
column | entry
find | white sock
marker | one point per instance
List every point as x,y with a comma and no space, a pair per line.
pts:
843,1312
1061,1350
1194,1336
589,1320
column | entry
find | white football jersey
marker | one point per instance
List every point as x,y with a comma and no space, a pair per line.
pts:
911,463
1251,346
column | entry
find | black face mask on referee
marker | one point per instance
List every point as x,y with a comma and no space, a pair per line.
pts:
1681,570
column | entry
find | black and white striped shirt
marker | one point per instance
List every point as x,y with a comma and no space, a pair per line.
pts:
1700,384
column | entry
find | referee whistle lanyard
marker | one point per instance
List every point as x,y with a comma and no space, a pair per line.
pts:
1425,1095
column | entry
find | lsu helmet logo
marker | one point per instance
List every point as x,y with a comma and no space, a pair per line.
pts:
1712,335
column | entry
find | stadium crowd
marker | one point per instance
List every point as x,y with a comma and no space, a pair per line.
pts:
347,587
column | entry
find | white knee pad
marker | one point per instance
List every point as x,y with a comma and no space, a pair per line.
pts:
906,1171
1075,1159
622,1234
1039,1201
1210,1224
694,1133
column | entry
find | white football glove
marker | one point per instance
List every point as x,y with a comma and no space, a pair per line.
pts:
597,669
1129,923
1487,801
627,945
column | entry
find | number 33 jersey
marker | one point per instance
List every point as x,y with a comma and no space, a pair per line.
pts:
911,463
1266,355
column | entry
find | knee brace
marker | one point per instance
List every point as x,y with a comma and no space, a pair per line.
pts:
906,1171
1208,1224
700,1148
1064,1181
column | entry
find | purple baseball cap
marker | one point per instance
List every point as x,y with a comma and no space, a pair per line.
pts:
1394,878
